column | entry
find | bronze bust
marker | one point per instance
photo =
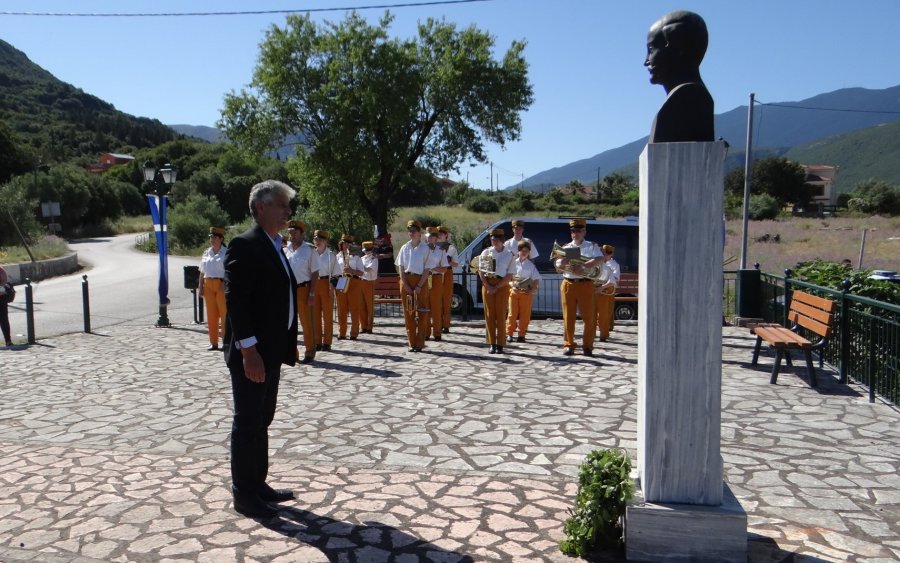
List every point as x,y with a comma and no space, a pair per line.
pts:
676,44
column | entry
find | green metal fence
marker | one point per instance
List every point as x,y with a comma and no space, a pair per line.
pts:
865,345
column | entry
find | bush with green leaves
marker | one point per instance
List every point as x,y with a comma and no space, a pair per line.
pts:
189,223
604,488
763,206
874,196
481,203
832,275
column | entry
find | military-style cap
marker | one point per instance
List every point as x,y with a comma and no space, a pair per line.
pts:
431,231
524,244
321,233
518,223
443,229
347,238
497,233
218,231
607,248
577,222
295,224
413,224
368,245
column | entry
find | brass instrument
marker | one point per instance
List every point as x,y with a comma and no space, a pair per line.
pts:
343,284
522,284
487,264
558,252
603,279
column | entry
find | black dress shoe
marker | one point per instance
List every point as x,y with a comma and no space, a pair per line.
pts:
353,338
445,330
499,349
326,347
437,337
307,360
268,494
493,350
318,347
588,351
520,339
412,349
341,337
213,347
253,506
568,351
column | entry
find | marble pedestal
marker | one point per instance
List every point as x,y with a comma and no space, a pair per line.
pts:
680,356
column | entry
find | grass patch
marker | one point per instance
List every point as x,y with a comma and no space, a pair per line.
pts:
136,224
42,249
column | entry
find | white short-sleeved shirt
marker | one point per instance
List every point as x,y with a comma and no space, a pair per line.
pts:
614,273
503,261
370,265
354,262
526,270
437,258
513,246
212,264
588,249
412,258
326,263
302,261
452,254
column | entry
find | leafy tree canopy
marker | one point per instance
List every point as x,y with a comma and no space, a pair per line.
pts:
371,108
776,176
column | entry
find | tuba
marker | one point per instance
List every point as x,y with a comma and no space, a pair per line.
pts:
558,252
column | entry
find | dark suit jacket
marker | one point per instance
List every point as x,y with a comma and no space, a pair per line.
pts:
686,116
259,295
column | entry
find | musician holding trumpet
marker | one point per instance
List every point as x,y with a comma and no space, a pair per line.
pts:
524,284
349,292
579,269
414,287
605,293
496,268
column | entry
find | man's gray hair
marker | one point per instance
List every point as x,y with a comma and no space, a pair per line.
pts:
264,191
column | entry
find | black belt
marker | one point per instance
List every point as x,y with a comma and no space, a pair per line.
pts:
579,280
303,284
209,278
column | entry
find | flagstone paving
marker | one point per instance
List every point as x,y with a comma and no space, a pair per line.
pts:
113,447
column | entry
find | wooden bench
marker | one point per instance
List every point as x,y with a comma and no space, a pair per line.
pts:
627,290
815,314
387,289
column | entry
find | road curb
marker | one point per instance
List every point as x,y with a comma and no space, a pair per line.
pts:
42,269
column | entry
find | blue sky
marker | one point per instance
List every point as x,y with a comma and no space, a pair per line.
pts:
591,90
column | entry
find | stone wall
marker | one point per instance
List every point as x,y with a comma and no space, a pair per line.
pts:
42,269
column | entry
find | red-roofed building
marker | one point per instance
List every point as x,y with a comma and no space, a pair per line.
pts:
107,160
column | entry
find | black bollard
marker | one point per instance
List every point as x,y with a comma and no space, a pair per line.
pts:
200,310
29,310
86,303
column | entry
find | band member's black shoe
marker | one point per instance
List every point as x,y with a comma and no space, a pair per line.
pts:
428,337
499,349
213,347
318,347
326,347
307,360
352,338
520,339
252,506
412,348
445,330
437,337
341,337
493,350
588,351
568,351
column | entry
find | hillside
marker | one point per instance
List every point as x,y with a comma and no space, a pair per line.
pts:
57,121
777,130
210,134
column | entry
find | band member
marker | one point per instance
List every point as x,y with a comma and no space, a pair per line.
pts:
606,294
577,289
453,263
436,264
211,286
525,284
323,304
518,227
370,264
302,258
349,298
496,267
414,291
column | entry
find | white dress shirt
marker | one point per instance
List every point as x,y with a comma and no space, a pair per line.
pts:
513,246
412,258
302,261
503,261
588,249
212,264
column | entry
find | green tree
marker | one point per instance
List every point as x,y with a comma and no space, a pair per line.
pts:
613,187
371,108
776,176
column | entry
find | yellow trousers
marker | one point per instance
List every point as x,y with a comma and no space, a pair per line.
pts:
436,301
448,295
323,313
367,309
415,306
349,302
519,312
305,314
214,296
578,295
495,311
605,305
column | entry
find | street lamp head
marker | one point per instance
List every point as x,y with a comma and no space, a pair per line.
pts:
149,171
168,173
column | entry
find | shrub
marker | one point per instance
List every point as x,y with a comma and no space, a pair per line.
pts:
481,203
763,207
832,274
427,220
189,223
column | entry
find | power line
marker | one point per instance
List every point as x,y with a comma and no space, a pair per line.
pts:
791,106
240,13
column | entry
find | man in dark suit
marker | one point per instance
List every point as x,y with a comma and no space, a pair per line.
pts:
260,335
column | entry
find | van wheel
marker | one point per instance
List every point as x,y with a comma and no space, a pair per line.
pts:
625,312
459,299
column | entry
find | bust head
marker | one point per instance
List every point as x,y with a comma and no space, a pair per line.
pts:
676,44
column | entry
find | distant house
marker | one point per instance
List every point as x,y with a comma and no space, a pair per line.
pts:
822,179
107,160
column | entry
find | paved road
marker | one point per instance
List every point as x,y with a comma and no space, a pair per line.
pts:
123,289
113,447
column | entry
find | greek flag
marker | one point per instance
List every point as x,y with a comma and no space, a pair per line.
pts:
158,213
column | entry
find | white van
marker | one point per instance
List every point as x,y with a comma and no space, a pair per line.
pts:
622,234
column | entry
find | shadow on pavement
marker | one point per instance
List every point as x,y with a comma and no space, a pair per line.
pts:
343,541
762,548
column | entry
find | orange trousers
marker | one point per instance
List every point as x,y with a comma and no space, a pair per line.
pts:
436,301
214,296
367,309
605,305
578,295
413,307
448,295
323,313
495,311
305,314
349,302
519,312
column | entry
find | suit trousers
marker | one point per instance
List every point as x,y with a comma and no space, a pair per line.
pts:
367,310
349,303
254,410
436,301
323,313
214,296
605,305
519,312
415,311
495,311
578,295
305,314
448,295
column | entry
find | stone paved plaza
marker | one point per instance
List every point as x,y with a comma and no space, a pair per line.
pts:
113,447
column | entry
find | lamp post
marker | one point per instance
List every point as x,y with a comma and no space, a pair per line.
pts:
162,180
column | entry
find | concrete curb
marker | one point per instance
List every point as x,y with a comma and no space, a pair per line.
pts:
42,269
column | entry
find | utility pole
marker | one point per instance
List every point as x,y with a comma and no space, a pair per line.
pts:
748,160
492,177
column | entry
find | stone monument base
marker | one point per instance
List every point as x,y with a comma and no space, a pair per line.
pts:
685,532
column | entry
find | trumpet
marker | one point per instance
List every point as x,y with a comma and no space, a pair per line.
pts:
591,272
